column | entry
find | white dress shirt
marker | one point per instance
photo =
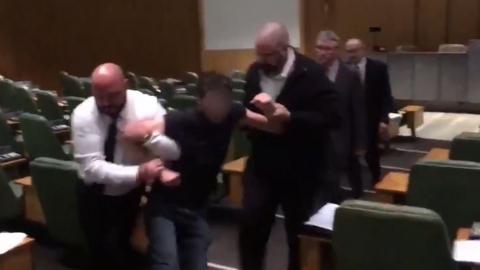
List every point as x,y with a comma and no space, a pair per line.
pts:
333,71
90,128
273,85
362,67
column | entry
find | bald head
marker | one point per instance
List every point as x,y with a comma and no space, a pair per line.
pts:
355,50
271,46
273,34
109,88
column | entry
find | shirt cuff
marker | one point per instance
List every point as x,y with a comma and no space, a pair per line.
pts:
163,147
131,174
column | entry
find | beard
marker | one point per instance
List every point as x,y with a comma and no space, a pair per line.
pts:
270,69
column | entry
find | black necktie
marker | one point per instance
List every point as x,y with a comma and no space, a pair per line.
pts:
109,146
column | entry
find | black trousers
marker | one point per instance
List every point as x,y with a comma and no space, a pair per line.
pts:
108,223
262,196
354,175
373,154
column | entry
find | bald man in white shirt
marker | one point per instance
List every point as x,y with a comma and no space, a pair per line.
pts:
115,170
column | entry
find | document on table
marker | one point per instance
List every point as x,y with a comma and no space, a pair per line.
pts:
9,241
324,217
467,251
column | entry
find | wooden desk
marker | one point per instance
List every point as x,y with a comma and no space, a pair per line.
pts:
19,258
394,184
236,169
316,253
413,117
33,208
438,154
13,163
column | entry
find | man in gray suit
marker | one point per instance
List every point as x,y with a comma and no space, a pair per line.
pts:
349,141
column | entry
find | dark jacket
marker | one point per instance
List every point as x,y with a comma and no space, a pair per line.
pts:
302,152
352,134
378,93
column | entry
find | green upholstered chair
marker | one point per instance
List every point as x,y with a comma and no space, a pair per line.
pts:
192,89
241,144
87,85
238,95
167,90
182,102
72,86
466,146
237,75
376,236
73,102
133,82
11,203
238,84
7,136
7,96
191,78
149,83
25,101
39,138
450,188
56,183
48,105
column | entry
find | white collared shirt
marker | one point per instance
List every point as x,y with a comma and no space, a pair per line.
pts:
333,71
362,67
273,85
90,128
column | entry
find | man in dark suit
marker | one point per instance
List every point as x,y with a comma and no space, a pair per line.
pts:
379,100
349,141
285,169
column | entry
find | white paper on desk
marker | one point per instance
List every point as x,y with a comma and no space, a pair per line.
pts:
324,217
467,251
9,241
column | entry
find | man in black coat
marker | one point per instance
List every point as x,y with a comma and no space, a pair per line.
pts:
287,169
349,140
379,100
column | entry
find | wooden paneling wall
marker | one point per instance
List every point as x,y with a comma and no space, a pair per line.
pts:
224,61
424,23
152,37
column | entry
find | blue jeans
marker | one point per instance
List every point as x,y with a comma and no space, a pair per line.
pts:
179,238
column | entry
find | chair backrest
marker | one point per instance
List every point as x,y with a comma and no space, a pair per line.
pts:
238,84
25,100
56,183
241,145
450,188
148,83
7,96
39,139
72,86
452,48
237,75
10,198
182,102
238,95
191,78
7,136
466,146
48,105
73,102
377,236
132,80
167,89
